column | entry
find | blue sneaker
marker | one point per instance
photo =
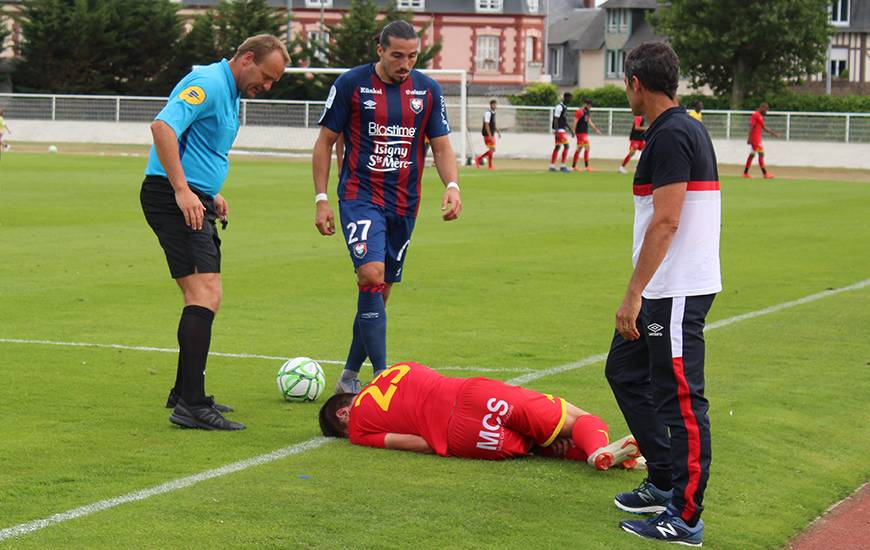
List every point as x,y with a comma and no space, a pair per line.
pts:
564,169
668,527
646,499
552,168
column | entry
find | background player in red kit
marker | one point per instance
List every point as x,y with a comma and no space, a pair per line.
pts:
635,141
489,130
384,111
560,133
582,122
756,125
413,408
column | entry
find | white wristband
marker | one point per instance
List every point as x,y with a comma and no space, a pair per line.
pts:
452,185
320,197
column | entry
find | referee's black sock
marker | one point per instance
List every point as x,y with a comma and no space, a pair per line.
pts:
194,339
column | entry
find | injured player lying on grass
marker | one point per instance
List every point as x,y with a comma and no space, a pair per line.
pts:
411,407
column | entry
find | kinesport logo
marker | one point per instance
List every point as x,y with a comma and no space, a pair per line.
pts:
194,95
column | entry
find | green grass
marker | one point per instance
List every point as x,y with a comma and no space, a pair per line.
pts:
529,278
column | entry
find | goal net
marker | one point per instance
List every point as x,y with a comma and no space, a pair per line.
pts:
291,126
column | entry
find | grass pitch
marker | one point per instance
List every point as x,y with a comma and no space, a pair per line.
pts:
529,278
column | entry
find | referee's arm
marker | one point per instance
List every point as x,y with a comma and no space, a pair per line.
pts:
166,146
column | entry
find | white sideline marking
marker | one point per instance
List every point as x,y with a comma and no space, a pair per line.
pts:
169,486
221,354
519,380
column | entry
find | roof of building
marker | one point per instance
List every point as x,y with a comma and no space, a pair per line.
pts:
640,4
643,34
859,19
582,29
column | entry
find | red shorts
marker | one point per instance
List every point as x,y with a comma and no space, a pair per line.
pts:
561,137
493,420
637,144
489,141
582,139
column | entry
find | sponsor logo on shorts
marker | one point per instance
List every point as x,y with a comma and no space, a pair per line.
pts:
360,250
417,105
415,92
655,329
491,437
375,91
193,95
370,104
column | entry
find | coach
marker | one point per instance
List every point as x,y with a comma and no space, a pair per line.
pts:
656,361
181,200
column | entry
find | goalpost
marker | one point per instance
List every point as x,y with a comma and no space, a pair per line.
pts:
281,125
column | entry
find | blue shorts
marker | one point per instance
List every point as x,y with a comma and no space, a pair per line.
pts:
374,234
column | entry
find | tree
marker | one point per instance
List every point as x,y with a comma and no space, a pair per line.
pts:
746,49
95,46
4,30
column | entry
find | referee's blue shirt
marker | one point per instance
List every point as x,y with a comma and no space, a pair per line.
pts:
203,110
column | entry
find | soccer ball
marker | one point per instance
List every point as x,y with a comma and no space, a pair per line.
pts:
301,379
52,149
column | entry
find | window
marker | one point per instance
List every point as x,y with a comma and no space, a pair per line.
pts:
532,5
487,53
318,3
555,61
318,37
411,5
615,63
839,61
531,48
618,20
840,12
491,6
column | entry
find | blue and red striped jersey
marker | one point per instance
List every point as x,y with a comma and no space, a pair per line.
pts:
384,126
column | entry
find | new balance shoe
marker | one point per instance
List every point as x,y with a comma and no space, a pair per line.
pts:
348,385
667,526
204,417
172,401
645,499
564,169
614,454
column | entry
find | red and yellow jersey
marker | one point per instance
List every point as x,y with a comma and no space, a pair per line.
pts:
756,123
407,398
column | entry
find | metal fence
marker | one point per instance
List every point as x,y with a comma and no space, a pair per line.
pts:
792,126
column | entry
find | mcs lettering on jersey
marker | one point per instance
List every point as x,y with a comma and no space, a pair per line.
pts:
492,434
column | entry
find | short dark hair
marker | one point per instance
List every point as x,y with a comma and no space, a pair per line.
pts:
399,29
491,101
587,101
567,96
330,426
656,66
699,106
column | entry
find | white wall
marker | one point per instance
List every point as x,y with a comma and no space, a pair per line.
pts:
782,153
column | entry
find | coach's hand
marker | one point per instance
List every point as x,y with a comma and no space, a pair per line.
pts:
451,204
191,207
626,317
324,219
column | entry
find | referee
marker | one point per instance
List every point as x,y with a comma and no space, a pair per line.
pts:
656,362
181,200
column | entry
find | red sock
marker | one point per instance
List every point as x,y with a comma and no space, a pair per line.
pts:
761,163
589,433
564,154
576,157
553,156
586,157
626,159
489,157
748,164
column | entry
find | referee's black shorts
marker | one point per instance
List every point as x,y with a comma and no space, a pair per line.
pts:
187,251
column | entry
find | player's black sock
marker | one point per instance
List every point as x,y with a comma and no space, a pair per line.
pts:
373,324
194,339
179,377
357,352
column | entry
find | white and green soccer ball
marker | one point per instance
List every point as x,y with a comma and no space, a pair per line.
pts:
301,379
